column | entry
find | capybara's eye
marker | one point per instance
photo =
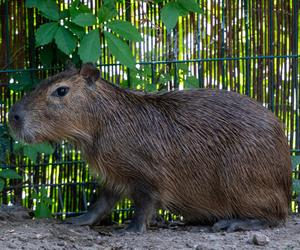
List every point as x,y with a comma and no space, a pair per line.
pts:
61,91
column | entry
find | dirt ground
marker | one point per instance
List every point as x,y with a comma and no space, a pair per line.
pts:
19,231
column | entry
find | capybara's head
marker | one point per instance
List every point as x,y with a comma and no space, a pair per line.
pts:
54,110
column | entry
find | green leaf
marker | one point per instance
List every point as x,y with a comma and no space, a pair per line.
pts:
135,79
108,2
295,161
47,200
46,33
184,67
296,186
4,141
35,195
42,211
111,4
77,30
43,192
9,174
31,3
74,4
73,7
3,129
42,203
30,152
84,19
15,87
190,5
49,9
135,82
78,8
169,15
146,70
17,146
89,50
65,40
45,148
164,78
64,14
2,184
125,29
191,82
105,13
120,50
150,88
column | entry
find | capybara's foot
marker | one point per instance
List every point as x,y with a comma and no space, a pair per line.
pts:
131,229
233,225
83,220
134,227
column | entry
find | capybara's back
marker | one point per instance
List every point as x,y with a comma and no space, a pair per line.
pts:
229,158
211,155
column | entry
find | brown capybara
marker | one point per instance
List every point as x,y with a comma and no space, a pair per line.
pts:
212,156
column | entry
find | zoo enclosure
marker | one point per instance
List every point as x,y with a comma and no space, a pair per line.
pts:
250,47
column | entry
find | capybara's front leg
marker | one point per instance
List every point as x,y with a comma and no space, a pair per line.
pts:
144,206
98,210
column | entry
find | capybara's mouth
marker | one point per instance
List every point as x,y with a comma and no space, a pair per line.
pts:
22,136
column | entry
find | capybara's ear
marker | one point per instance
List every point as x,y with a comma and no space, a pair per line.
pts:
90,73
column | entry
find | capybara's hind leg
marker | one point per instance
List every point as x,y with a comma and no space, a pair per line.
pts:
233,225
98,210
143,210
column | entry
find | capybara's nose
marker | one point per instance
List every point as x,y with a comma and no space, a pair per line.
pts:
16,116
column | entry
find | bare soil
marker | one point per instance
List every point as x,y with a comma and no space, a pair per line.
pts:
19,231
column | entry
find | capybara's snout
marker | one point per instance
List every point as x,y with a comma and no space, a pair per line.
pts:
16,116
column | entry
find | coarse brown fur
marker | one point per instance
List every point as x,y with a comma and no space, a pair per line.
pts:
206,154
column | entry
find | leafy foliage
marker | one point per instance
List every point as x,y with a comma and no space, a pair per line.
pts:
296,185
46,33
125,29
68,28
32,150
24,81
4,145
43,202
65,40
295,161
72,33
89,49
105,13
172,10
4,142
169,15
84,19
7,174
118,46
191,82
295,164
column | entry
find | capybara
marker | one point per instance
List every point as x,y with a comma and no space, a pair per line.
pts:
210,155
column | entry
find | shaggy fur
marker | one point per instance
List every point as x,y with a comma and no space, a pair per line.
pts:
206,154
